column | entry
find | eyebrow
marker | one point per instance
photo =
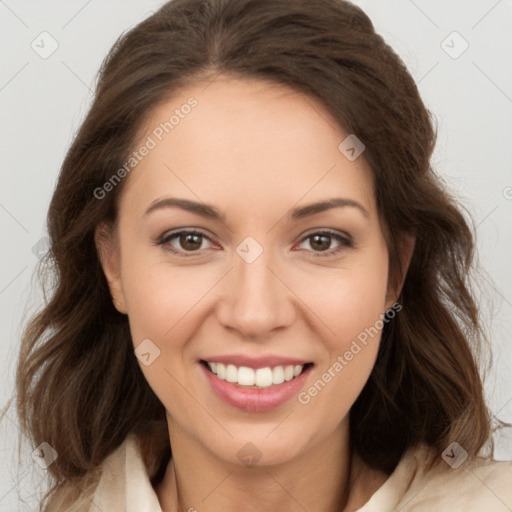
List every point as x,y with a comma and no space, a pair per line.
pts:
329,204
203,209
209,211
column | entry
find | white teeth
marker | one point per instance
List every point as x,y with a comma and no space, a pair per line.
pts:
278,375
231,373
261,377
246,376
221,371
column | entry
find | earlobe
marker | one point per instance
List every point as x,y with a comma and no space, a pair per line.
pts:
107,247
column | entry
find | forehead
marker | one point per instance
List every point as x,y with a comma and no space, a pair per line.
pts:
246,143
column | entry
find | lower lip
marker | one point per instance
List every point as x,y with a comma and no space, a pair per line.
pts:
252,399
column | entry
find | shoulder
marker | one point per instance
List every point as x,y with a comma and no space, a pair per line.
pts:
472,486
125,482
74,496
106,486
423,481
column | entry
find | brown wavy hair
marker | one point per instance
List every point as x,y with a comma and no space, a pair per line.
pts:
79,386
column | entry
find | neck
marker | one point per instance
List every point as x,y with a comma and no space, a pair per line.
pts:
324,478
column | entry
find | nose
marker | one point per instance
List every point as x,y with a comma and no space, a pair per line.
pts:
256,299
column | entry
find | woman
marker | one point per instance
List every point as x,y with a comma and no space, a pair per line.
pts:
261,299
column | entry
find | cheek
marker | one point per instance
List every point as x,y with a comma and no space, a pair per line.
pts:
161,297
352,307
350,299
164,306
361,307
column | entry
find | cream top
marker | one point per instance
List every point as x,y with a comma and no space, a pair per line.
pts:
482,486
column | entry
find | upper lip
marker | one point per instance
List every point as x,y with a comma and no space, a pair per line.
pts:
256,362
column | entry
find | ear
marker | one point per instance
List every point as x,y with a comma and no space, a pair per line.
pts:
107,246
406,251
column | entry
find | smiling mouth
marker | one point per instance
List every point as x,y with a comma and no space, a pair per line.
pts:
256,378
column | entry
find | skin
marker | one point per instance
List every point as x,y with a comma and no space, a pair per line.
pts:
254,150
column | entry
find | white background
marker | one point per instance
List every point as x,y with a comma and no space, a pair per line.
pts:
42,102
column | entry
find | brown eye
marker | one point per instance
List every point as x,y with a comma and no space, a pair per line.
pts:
190,241
184,243
320,242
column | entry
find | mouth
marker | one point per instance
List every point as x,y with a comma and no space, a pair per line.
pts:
256,378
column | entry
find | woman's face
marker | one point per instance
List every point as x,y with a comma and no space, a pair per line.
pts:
265,280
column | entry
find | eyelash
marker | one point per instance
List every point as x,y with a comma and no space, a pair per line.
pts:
345,242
